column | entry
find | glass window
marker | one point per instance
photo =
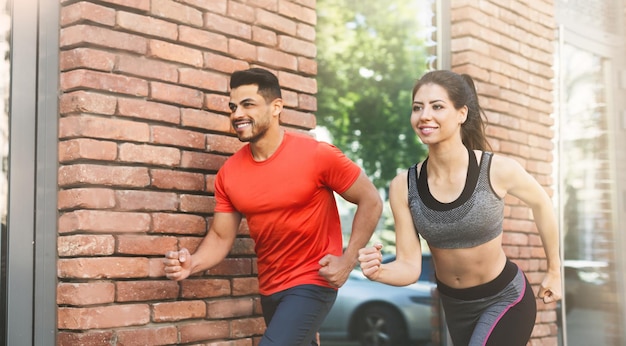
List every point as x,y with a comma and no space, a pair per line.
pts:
5,47
588,201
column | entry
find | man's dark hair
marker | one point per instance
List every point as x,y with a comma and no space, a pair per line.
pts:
264,79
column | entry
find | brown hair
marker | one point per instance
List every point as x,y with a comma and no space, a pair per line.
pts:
462,92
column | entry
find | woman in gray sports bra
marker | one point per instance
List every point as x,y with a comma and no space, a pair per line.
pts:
454,200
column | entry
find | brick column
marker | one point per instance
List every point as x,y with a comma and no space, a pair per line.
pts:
143,129
508,49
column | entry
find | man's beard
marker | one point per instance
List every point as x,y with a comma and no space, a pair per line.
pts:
255,136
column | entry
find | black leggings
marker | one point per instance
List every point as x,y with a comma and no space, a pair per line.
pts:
294,316
500,312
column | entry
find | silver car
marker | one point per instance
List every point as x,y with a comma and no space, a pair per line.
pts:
376,314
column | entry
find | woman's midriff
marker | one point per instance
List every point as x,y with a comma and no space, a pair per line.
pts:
463,268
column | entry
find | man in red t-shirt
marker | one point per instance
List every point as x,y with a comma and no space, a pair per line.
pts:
283,183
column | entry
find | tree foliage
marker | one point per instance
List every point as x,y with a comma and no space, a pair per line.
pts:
369,57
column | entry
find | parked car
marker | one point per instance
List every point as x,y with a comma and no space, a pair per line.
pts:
376,314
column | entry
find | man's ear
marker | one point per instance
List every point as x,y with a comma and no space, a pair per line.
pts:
277,106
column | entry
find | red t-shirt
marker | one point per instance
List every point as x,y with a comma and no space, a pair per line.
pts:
289,204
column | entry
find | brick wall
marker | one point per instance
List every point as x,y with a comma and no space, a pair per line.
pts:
507,46
143,129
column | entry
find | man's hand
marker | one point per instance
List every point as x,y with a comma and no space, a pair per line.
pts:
177,264
336,269
371,259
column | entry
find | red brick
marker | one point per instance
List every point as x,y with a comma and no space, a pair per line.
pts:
223,64
147,110
91,198
156,267
85,338
269,5
85,245
144,245
174,52
146,25
178,311
204,161
306,32
205,120
277,58
146,200
147,68
176,180
232,267
240,12
218,103
301,13
87,58
197,204
203,288
519,239
87,12
88,293
230,308
242,50
210,183
276,22
142,5
103,221
296,82
149,154
178,224
216,22
204,331
245,286
307,66
216,6
106,128
177,137
90,149
103,316
81,79
175,94
264,36
247,327
103,175
87,102
190,243
129,291
299,119
203,80
103,268
223,144
307,102
290,98
85,34
176,12
148,336
203,39
298,47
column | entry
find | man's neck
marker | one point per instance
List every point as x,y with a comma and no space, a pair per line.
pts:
265,147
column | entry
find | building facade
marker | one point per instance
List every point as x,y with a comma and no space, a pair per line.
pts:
117,122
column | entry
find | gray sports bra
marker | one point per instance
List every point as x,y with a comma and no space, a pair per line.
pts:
472,219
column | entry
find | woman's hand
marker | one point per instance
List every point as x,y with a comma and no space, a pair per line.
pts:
550,290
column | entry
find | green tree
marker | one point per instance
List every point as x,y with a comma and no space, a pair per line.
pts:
370,54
